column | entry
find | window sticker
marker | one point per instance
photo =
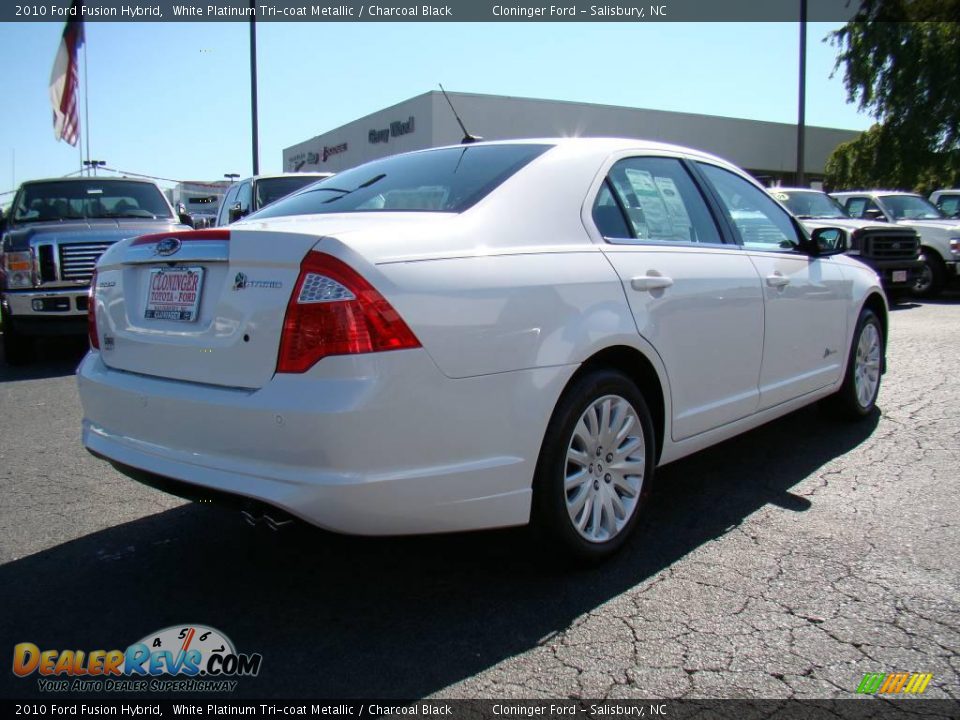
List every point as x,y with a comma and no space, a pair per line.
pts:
675,207
651,203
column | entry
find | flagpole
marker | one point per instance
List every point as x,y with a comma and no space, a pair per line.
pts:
86,102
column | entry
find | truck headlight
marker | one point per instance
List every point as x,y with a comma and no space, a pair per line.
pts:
18,269
955,246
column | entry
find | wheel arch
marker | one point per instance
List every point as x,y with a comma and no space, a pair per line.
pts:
930,250
874,302
637,366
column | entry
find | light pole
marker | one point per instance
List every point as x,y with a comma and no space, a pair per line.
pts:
231,176
253,87
94,164
801,112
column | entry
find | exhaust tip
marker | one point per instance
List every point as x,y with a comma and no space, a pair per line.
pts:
272,518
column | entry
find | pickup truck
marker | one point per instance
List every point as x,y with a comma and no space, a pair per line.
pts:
892,252
939,236
52,237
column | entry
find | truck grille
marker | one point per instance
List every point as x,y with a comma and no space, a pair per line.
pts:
884,246
78,259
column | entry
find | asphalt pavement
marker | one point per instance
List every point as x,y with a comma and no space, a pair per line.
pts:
787,562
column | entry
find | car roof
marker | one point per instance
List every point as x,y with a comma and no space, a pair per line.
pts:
271,176
596,146
876,192
87,178
791,189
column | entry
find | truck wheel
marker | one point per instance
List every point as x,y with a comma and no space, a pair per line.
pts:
595,468
17,349
932,275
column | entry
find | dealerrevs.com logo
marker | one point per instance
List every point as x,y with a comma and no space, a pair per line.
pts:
190,658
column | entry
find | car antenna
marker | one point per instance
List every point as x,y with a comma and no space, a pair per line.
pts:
467,137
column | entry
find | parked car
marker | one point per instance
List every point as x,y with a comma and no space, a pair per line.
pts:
247,196
893,252
555,319
939,236
947,202
52,237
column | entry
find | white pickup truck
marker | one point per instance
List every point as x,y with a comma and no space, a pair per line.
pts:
939,236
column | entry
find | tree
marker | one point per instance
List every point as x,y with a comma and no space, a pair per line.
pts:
900,61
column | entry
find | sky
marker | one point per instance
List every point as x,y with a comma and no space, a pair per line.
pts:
173,99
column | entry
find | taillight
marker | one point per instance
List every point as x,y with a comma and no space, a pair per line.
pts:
92,313
334,311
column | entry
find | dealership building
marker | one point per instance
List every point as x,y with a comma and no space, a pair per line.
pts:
766,149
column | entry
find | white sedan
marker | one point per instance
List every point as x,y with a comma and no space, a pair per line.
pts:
473,337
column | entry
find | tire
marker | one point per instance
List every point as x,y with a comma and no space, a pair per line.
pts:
17,349
857,397
932,276
579,443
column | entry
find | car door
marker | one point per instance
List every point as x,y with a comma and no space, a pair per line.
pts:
695,298
805,297
865,208
223,215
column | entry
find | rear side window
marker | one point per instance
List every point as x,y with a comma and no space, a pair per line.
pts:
653,199
272,189
949,205
445,180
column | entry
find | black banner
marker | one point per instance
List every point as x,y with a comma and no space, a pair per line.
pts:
443,11
866,708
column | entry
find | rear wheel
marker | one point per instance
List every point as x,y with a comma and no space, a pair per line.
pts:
857,397
595,467
932,275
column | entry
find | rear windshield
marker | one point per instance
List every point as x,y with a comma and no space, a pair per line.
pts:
272,189
76,200
446,180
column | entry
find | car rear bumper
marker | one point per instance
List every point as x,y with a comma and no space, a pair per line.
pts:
380,444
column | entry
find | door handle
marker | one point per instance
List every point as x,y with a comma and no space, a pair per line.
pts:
777,280
651,281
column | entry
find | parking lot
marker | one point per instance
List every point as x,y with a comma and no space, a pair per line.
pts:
787,562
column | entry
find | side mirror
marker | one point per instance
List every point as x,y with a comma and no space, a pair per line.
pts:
828,241
875,215
235,213
186,219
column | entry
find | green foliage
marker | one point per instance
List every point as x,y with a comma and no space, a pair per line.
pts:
883,158
907,75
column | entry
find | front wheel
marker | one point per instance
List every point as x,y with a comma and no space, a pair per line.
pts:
932,276
857,397
595,467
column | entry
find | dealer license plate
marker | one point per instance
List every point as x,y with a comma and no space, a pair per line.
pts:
899,276
174,294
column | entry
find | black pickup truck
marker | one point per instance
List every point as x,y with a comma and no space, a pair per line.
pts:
52,237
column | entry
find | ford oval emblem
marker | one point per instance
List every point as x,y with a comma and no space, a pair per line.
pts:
168,246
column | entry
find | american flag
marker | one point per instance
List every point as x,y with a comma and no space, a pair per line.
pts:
65,79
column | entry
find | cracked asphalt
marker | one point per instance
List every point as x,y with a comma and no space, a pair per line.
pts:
785,563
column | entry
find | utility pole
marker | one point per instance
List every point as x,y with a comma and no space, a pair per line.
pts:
801,113
253,87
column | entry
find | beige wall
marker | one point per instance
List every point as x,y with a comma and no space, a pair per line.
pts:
759,146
